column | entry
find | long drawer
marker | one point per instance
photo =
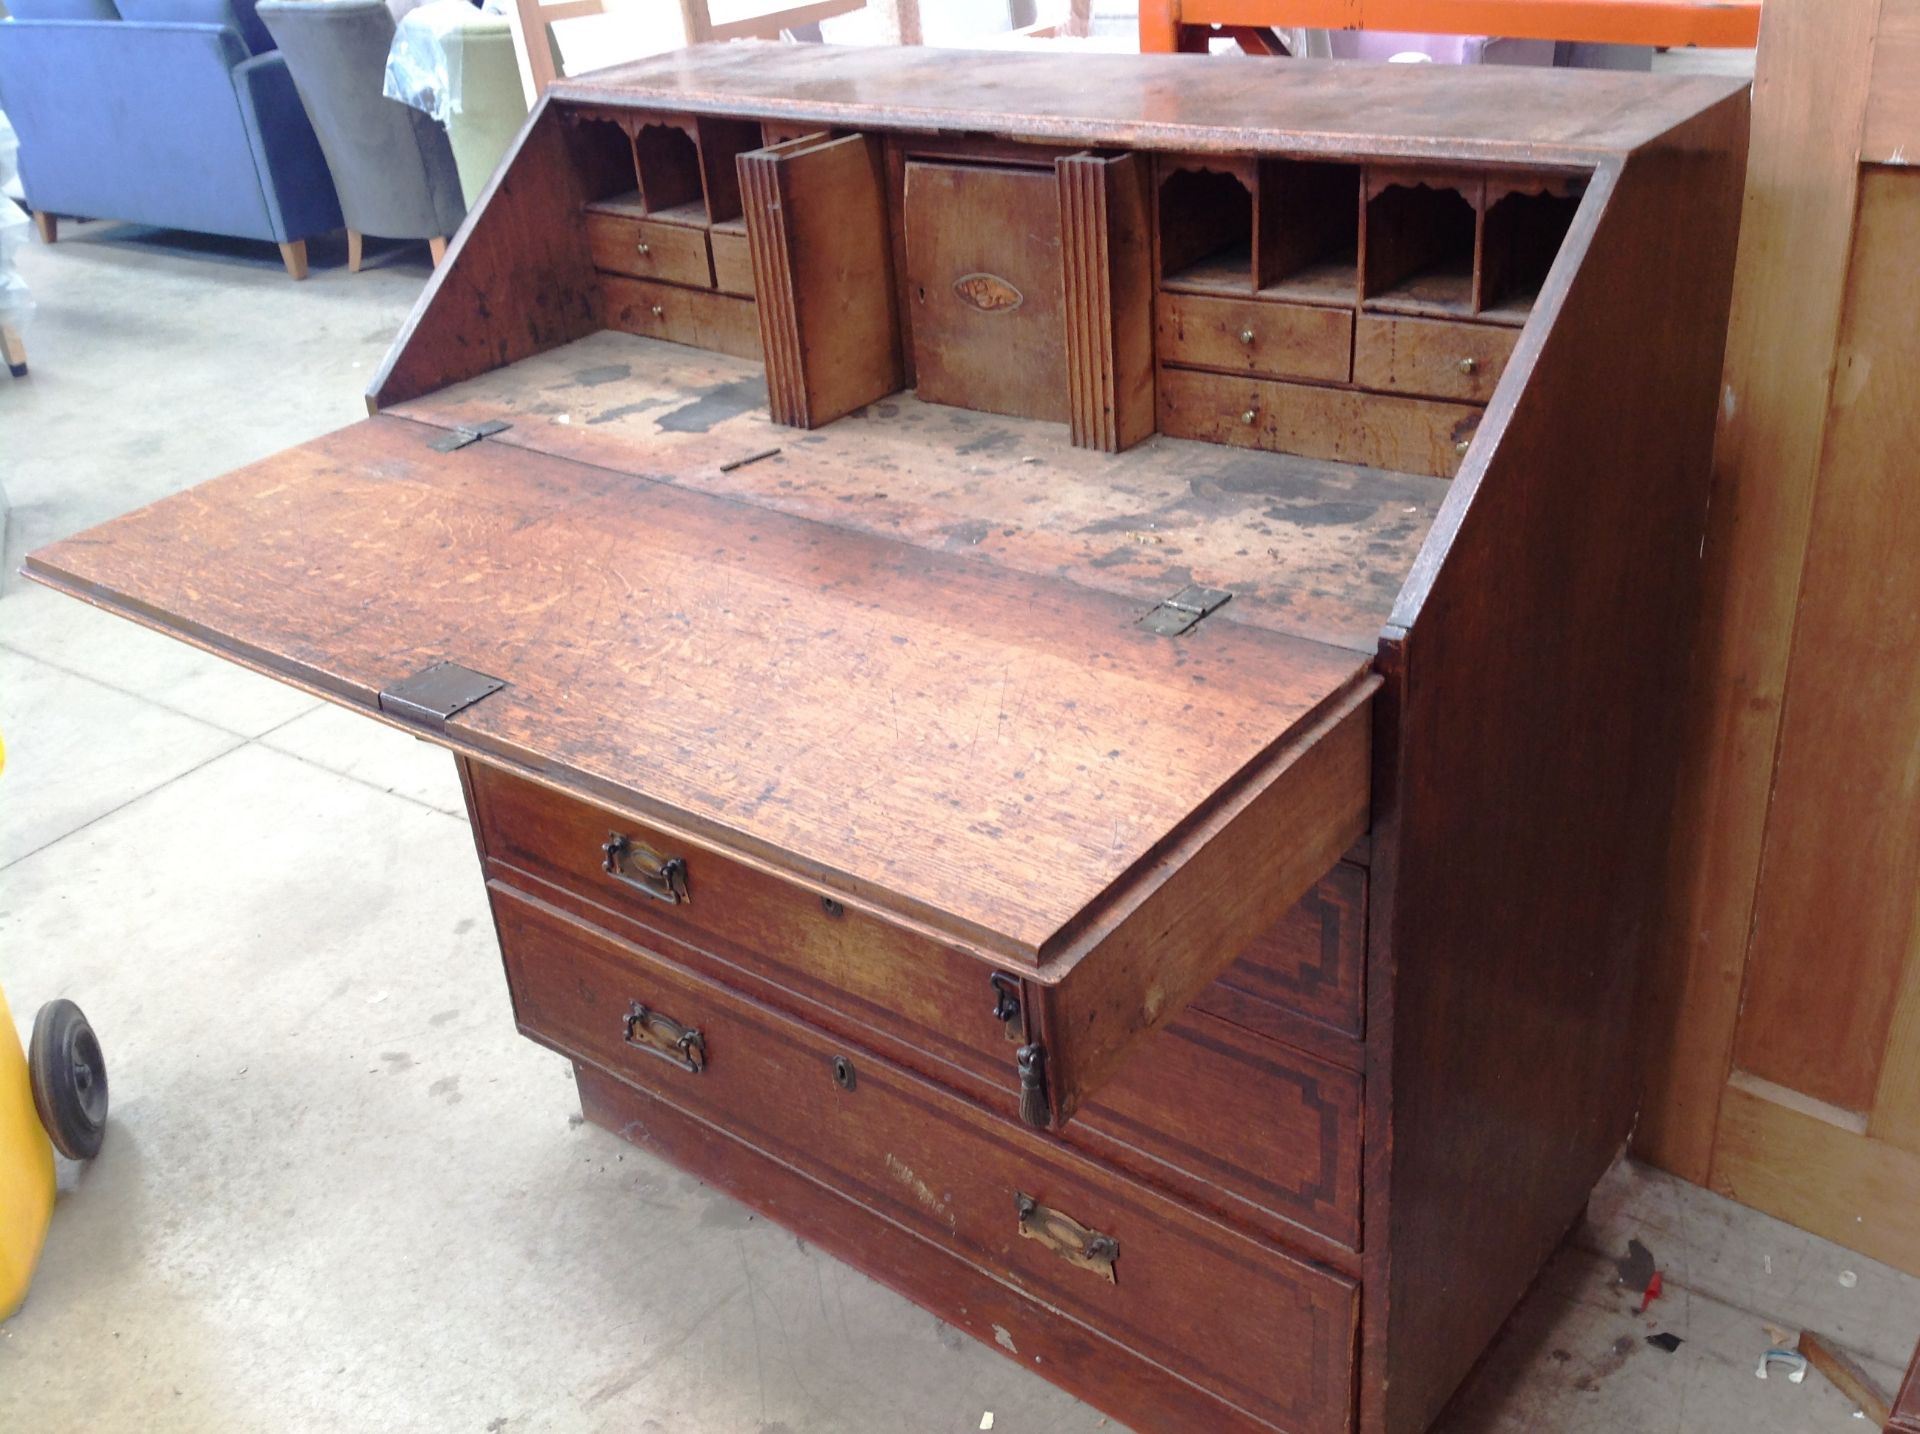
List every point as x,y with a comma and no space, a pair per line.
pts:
1269,1334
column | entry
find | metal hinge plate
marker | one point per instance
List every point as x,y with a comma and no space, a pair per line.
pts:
1185,608
433,694
463,435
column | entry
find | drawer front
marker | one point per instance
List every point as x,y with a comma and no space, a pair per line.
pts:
1311,964
1430,357
648,249
683,316
1223,1118
934,997
1276,340
1406,435
1271,1334
732,263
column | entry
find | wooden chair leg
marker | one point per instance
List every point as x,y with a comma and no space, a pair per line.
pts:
437,246
355,241
14,351
47,224
294,256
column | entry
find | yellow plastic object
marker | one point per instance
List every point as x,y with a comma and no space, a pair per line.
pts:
26,1171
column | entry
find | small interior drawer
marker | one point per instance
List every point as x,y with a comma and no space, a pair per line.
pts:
648,249
1270,1333
696,317
732,261
1431,357
1253,336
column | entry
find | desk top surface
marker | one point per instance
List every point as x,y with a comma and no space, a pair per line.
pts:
1180,102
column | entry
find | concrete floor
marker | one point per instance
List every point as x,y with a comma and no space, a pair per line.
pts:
338,1192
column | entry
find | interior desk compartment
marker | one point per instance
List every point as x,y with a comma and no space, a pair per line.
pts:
1419,241
1270,339
1272,1335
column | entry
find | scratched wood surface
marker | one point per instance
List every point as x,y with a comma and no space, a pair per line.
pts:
1312,548
983,749
1180,102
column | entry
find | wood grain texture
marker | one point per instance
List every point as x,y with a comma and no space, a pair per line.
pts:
1844,1373
1510,1020
1173,102
649,249
1267,339
1790,277
1407,435
991,707
1307,547
1107,252
1311,965
1430,357
1895,1116
681,315
520,276
1890,131
1906,1404
1819,1176
1840,870
986,288
933,1164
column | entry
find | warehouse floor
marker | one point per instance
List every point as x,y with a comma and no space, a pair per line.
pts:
338,1191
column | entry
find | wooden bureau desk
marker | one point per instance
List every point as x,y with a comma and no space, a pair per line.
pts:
1064,666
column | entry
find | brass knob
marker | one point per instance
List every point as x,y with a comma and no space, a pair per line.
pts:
1469,365
658,311
1250,415
1462,445
1246,336
646,248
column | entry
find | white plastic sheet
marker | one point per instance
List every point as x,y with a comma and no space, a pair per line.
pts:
16,303
421,70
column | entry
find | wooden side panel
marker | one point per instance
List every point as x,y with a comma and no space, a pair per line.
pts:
1834,921
524,247
823,271
1906,1406
1892,129
1107,253
1809,94
1546,628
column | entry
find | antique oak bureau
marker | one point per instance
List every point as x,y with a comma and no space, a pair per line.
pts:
1063,665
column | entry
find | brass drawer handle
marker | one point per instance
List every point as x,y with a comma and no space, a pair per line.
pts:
664,878
1067,1237
1469,365
645,1029
1247,336
645,248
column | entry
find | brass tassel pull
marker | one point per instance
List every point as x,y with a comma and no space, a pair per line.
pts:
1032,1062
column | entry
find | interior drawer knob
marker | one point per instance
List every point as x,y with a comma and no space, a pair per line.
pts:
1246,336
1469,365
658,310
646,1029
1249,416
644,247
638,865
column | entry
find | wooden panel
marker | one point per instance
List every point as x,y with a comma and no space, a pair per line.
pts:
1311,963
682,316
1235,1124
1891,133
1107,240
1015,1325
1409,435
732,262
985,286
1512,1020
648,249
1835,917
1724,24
524,248
999,705
1430,357
1906,1405
1466,112
1895,1116
817,227
1274,340
1280,1347
1809,92
1819,1176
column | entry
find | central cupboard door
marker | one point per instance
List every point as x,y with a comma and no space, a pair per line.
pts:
984,288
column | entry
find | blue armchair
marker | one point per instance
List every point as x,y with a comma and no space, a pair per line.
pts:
174,113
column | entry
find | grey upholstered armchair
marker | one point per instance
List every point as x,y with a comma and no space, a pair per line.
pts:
392,165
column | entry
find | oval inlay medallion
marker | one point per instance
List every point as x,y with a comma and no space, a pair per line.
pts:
988,293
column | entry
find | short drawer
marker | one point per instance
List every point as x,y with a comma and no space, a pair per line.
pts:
648,249
1230,1120
933,997
1246,335
732,262
1405,435
1431,357
1270,1333
696,317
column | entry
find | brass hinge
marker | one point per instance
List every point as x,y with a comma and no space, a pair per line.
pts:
461,436
1180,612
433,694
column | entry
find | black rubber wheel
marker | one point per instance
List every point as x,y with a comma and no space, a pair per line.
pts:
69,1080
